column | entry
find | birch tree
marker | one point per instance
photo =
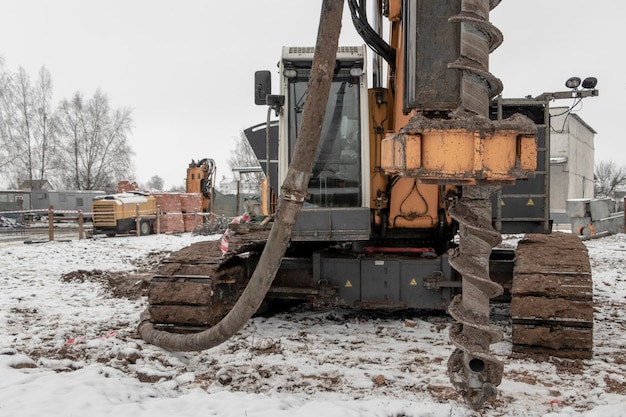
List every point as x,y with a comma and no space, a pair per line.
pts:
95,150
6,125
27,126
44,126
23,152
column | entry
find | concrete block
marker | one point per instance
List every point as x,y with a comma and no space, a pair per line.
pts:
601,208
577,207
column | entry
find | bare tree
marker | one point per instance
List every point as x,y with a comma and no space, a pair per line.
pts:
44,124
177,189
155,183
96,153
7,132
72,125
81,145
23,114
608,176
27,125
243,157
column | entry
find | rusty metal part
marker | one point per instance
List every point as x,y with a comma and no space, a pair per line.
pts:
478,38
426,251
463,150
196,287
473,370
552,297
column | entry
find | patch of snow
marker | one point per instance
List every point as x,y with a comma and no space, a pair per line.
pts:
71,348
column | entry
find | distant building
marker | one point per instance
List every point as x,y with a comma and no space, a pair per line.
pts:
64,200
15,201
229,186
35,185
571,161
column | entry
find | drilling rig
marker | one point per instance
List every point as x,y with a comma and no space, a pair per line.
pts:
397,212
201,179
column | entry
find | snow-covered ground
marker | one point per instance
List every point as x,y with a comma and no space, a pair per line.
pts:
69,347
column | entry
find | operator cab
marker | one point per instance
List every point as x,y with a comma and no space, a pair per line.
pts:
336,179
337,208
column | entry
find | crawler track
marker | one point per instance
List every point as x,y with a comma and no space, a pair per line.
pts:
197,286
552,297
551,305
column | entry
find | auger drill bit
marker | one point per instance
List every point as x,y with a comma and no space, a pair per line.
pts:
473,370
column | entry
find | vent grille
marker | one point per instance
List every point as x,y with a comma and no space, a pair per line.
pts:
308,51
104,213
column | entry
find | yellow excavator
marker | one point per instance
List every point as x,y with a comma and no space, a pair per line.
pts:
397,207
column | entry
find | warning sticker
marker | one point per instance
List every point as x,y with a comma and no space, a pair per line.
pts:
530,202
413,282
348,284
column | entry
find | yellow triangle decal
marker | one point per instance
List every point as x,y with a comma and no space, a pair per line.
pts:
348,284
530,202
413,282
502,203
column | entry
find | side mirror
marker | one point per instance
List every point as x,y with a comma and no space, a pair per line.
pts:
262,87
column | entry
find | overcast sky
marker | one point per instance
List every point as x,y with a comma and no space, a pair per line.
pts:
186,67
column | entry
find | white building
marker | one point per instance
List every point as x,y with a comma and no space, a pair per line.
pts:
571,161
229,186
